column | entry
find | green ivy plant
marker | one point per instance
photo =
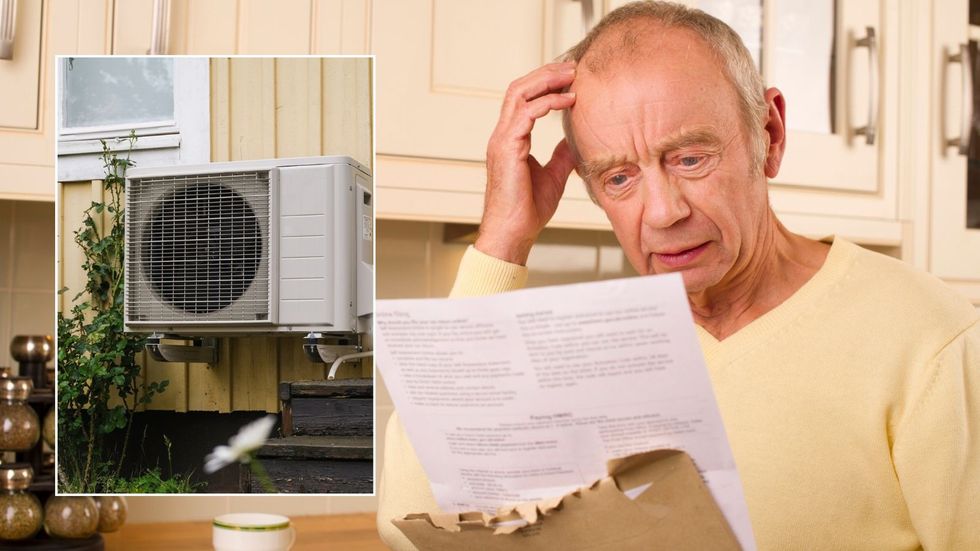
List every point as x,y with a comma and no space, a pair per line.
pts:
99,382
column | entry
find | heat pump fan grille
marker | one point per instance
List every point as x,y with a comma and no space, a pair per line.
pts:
200,248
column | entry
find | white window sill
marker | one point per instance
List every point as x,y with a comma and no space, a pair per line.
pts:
86,147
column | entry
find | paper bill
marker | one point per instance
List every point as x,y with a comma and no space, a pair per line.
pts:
525,395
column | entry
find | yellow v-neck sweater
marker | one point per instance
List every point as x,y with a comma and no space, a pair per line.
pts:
852,408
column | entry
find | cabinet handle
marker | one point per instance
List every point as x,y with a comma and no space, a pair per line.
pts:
870,42
161,27
962,142
8,23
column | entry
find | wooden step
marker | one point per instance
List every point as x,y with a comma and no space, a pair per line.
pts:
328,408
320,447
325,476
343,388
316,464
331,417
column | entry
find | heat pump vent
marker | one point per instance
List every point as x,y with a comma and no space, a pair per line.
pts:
243,247
199,242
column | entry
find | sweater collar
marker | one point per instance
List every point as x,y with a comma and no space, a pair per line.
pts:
806,298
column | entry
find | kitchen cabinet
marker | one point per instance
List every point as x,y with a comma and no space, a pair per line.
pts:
242,26
444,68
954,144
43,29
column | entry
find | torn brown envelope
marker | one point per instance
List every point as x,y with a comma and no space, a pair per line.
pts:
677,512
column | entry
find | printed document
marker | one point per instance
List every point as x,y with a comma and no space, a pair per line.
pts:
525,395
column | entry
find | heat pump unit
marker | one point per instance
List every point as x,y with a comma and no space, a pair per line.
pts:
273,246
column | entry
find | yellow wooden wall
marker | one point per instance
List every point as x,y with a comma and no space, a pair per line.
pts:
260,108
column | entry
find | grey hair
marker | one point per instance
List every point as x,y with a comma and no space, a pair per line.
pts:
739,68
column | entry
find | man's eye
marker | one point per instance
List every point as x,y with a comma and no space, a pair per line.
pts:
618,179
690,161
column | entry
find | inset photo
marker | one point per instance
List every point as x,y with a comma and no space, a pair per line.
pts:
215,275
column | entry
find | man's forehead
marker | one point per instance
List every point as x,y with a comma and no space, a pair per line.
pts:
647,65
669,76
634,43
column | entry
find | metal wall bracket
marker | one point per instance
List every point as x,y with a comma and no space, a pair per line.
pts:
333,350
200,350
323,348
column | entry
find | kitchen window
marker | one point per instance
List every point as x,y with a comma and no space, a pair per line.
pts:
164,100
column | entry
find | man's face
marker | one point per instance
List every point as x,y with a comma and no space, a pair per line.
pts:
666,156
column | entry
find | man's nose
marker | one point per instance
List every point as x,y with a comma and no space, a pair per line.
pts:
664,203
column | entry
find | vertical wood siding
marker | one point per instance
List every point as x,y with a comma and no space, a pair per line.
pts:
260,108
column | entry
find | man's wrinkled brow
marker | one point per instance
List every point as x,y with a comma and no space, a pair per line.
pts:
700,136
590,169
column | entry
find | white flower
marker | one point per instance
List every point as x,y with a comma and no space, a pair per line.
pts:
250,438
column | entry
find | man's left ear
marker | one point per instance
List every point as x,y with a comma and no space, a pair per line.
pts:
776,130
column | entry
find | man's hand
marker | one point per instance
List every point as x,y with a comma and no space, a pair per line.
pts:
521,194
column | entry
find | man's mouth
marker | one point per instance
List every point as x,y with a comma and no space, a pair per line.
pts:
679,257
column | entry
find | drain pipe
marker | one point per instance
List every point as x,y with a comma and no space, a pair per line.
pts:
336,363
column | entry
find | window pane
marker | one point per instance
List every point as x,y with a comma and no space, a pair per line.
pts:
802,62
744,17
114,91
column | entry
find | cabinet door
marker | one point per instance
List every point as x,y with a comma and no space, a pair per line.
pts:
222,27
955,236
27,135
826,56
20,72
443,68
21,134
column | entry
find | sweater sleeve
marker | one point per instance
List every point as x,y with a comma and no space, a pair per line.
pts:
404,488
936,449
481,274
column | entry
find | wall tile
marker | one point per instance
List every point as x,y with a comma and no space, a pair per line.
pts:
146,509
291,505
5,335
33,253
352,504
26,272
31,313
402,250
559,264
6,255
445,261
612,260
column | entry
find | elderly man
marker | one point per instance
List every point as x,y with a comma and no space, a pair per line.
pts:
849,383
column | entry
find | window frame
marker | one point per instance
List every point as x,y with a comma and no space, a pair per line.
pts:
184,140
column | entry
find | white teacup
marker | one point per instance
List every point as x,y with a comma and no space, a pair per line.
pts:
252,532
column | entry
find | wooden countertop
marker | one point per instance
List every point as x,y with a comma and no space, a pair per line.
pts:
354,532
